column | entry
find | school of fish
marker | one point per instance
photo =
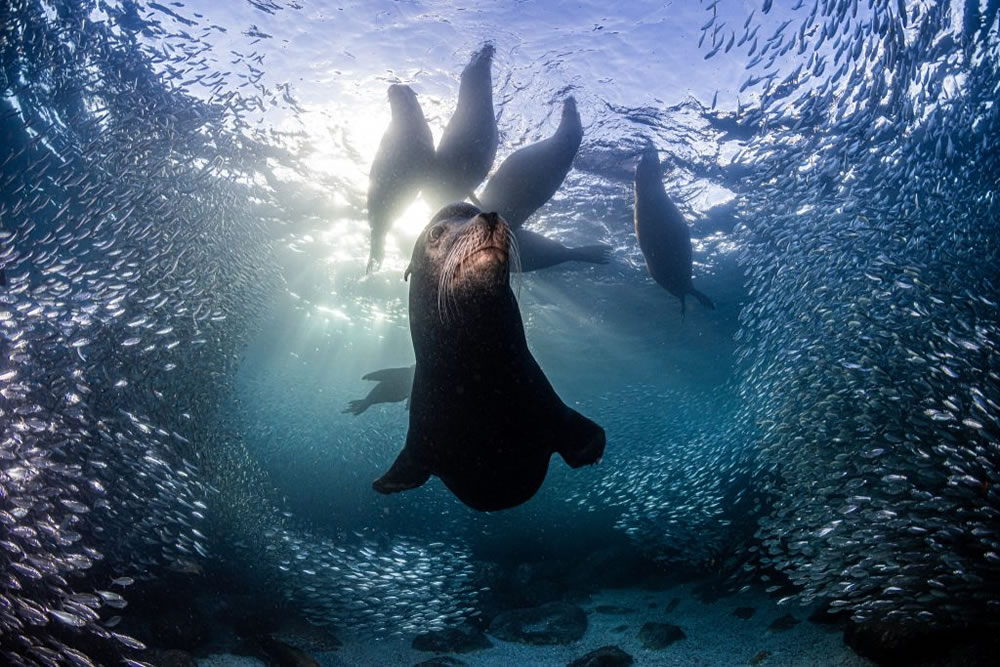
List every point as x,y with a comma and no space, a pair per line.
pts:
860,439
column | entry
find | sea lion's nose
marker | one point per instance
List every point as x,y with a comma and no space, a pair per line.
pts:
492,220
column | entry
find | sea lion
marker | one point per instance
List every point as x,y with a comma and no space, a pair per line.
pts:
402,161
483,416
531,175
664,237
468,144
540,252
393,386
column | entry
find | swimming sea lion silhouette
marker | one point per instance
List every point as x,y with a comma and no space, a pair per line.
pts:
664,237
393,385
402,161
483,416
531,175
468,144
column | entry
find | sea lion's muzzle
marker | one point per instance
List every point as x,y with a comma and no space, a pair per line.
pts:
492,242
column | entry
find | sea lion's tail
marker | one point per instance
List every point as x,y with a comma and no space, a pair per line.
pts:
704,300
595,254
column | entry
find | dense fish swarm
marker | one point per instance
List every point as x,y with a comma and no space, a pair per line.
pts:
111,332
869,353
134,264
680,476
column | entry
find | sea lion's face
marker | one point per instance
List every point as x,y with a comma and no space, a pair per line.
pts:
461,254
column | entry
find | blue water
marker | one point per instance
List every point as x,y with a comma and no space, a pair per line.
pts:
185,313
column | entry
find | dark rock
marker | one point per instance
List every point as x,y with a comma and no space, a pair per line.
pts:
979,648
613,609
786,622
171,658
658,636
552,623
827,615
618,566
282,655
441,661
524,585
606,656
744,612
462,639
891,645
306,636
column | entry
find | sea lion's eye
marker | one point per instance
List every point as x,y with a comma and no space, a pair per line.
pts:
436,232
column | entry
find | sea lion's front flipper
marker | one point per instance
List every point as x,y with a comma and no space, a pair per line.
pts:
704,300
582,441
405,474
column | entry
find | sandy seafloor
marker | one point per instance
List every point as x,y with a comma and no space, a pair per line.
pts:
714,636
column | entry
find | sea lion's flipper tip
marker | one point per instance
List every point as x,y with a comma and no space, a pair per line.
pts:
702,299
356,407
594,254
405,474
583,441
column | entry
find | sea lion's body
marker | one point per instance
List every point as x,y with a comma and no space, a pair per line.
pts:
468,144
402,161
531,175
663,234
539,252
483,416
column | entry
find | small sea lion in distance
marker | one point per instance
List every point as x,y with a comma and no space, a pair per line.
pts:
664,237
393,386
483,416
404,156
468,144
531,175
540,252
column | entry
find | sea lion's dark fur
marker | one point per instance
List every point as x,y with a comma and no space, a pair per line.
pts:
663,234
531,175
483,416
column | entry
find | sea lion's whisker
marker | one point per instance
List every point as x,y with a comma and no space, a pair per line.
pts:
514,253
446,282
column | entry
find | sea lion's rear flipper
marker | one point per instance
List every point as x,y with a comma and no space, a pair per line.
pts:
405,474
704,300
594,254
582,441
357,407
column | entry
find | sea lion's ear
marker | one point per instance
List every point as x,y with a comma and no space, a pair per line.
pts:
409,270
